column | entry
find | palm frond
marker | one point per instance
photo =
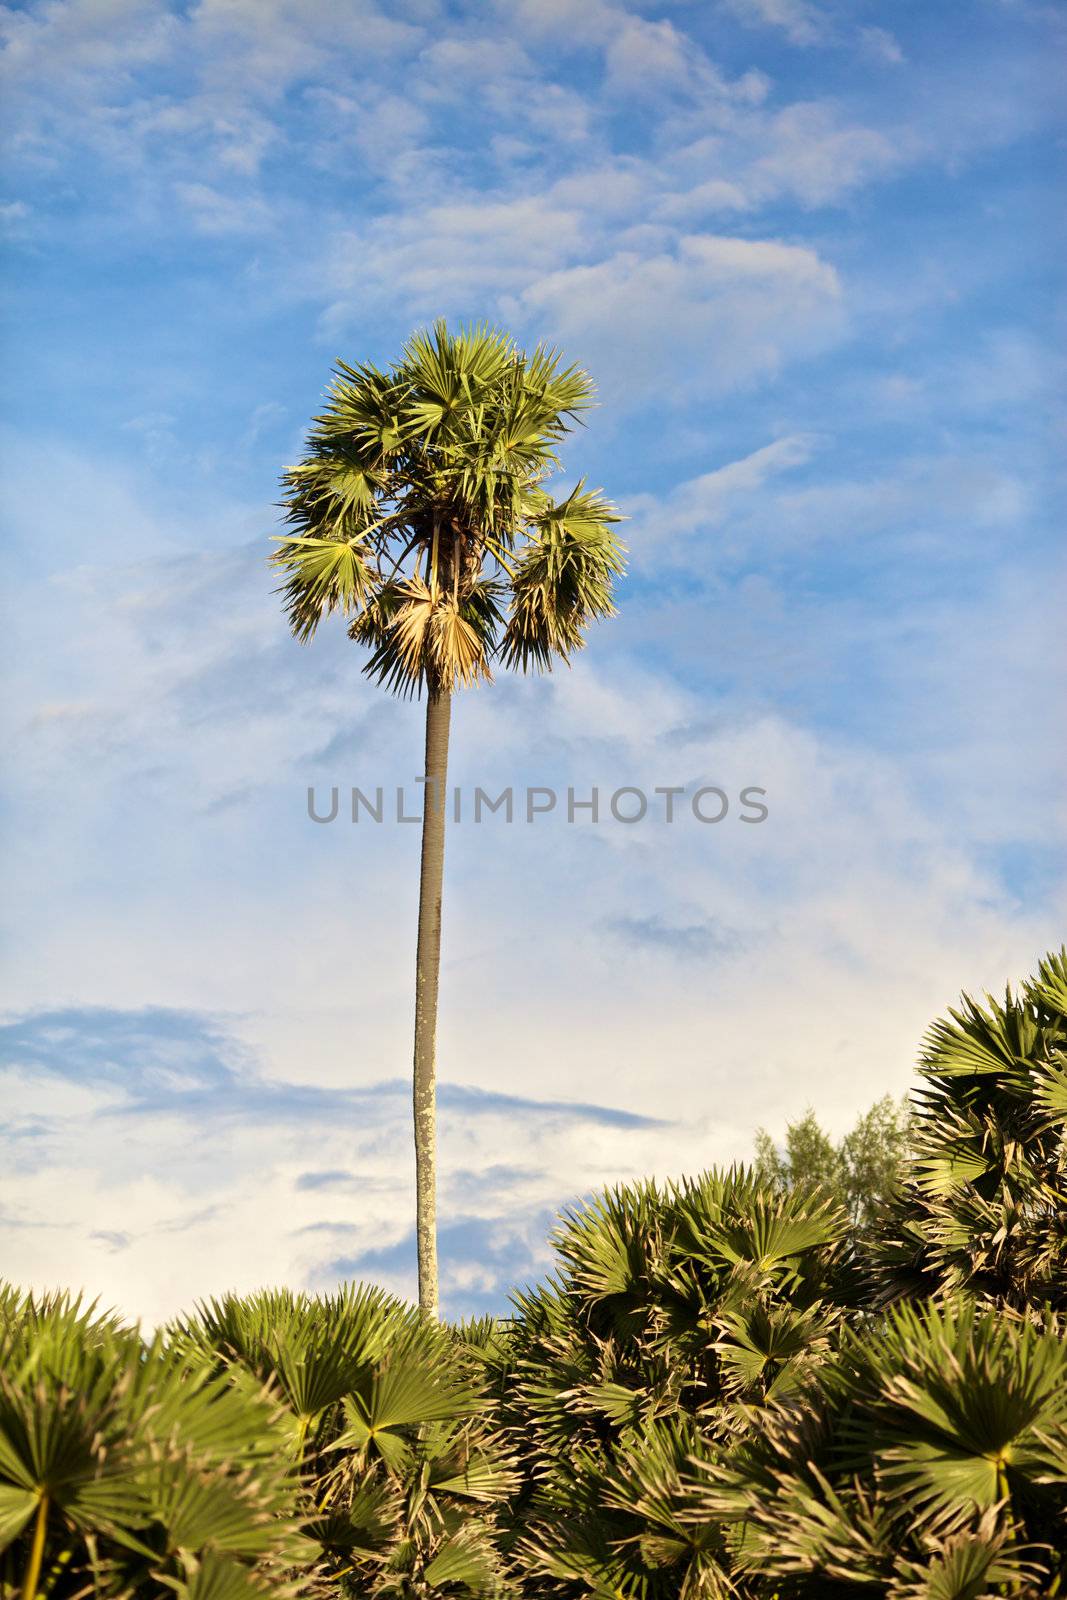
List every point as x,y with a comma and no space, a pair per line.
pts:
563,579
323,575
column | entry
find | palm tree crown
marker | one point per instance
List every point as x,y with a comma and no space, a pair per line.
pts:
420,513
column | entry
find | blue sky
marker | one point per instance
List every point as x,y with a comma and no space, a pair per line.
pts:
809,251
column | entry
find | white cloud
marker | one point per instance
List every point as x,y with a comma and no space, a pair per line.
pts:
163,1220
705,199
652,58
216,213
171,96
450,67
914,502
582,23
911,506
454,255
275,42
812,157
749,305
165,729
881,44
83,43
854,905
802,22
662,526
15,219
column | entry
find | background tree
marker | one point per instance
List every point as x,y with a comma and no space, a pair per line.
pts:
420,513
861,1170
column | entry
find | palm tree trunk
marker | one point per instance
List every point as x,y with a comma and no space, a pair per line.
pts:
427,968
33,1571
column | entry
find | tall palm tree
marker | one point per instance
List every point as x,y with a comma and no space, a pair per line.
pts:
420,513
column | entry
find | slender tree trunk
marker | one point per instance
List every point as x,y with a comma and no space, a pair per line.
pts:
427,968
33,1571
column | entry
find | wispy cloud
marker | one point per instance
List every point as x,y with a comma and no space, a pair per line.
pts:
751,306
181,1075
216,213
181,1064
692,940
483,1261
882,45
802,22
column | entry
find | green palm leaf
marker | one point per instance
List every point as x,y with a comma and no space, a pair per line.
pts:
968,1410
216,1578
323,575
970,1565
131,1458
466,1561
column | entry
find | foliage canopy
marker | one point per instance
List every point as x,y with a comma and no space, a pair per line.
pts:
737,1385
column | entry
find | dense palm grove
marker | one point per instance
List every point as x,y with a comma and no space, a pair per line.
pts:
745,1384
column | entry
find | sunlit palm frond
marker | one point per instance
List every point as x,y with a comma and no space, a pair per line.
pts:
971,1565
766,1351
563,580
323,575
127,1466
1050,1091
1048,990
418,638
456,652
316,1352
467,1562
985,1206
967,1410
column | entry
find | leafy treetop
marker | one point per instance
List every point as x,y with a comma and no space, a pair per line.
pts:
420,512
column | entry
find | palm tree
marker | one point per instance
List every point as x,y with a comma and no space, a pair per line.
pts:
131,1468
984,1208
925,1462
675,1316
420,513
402,1470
